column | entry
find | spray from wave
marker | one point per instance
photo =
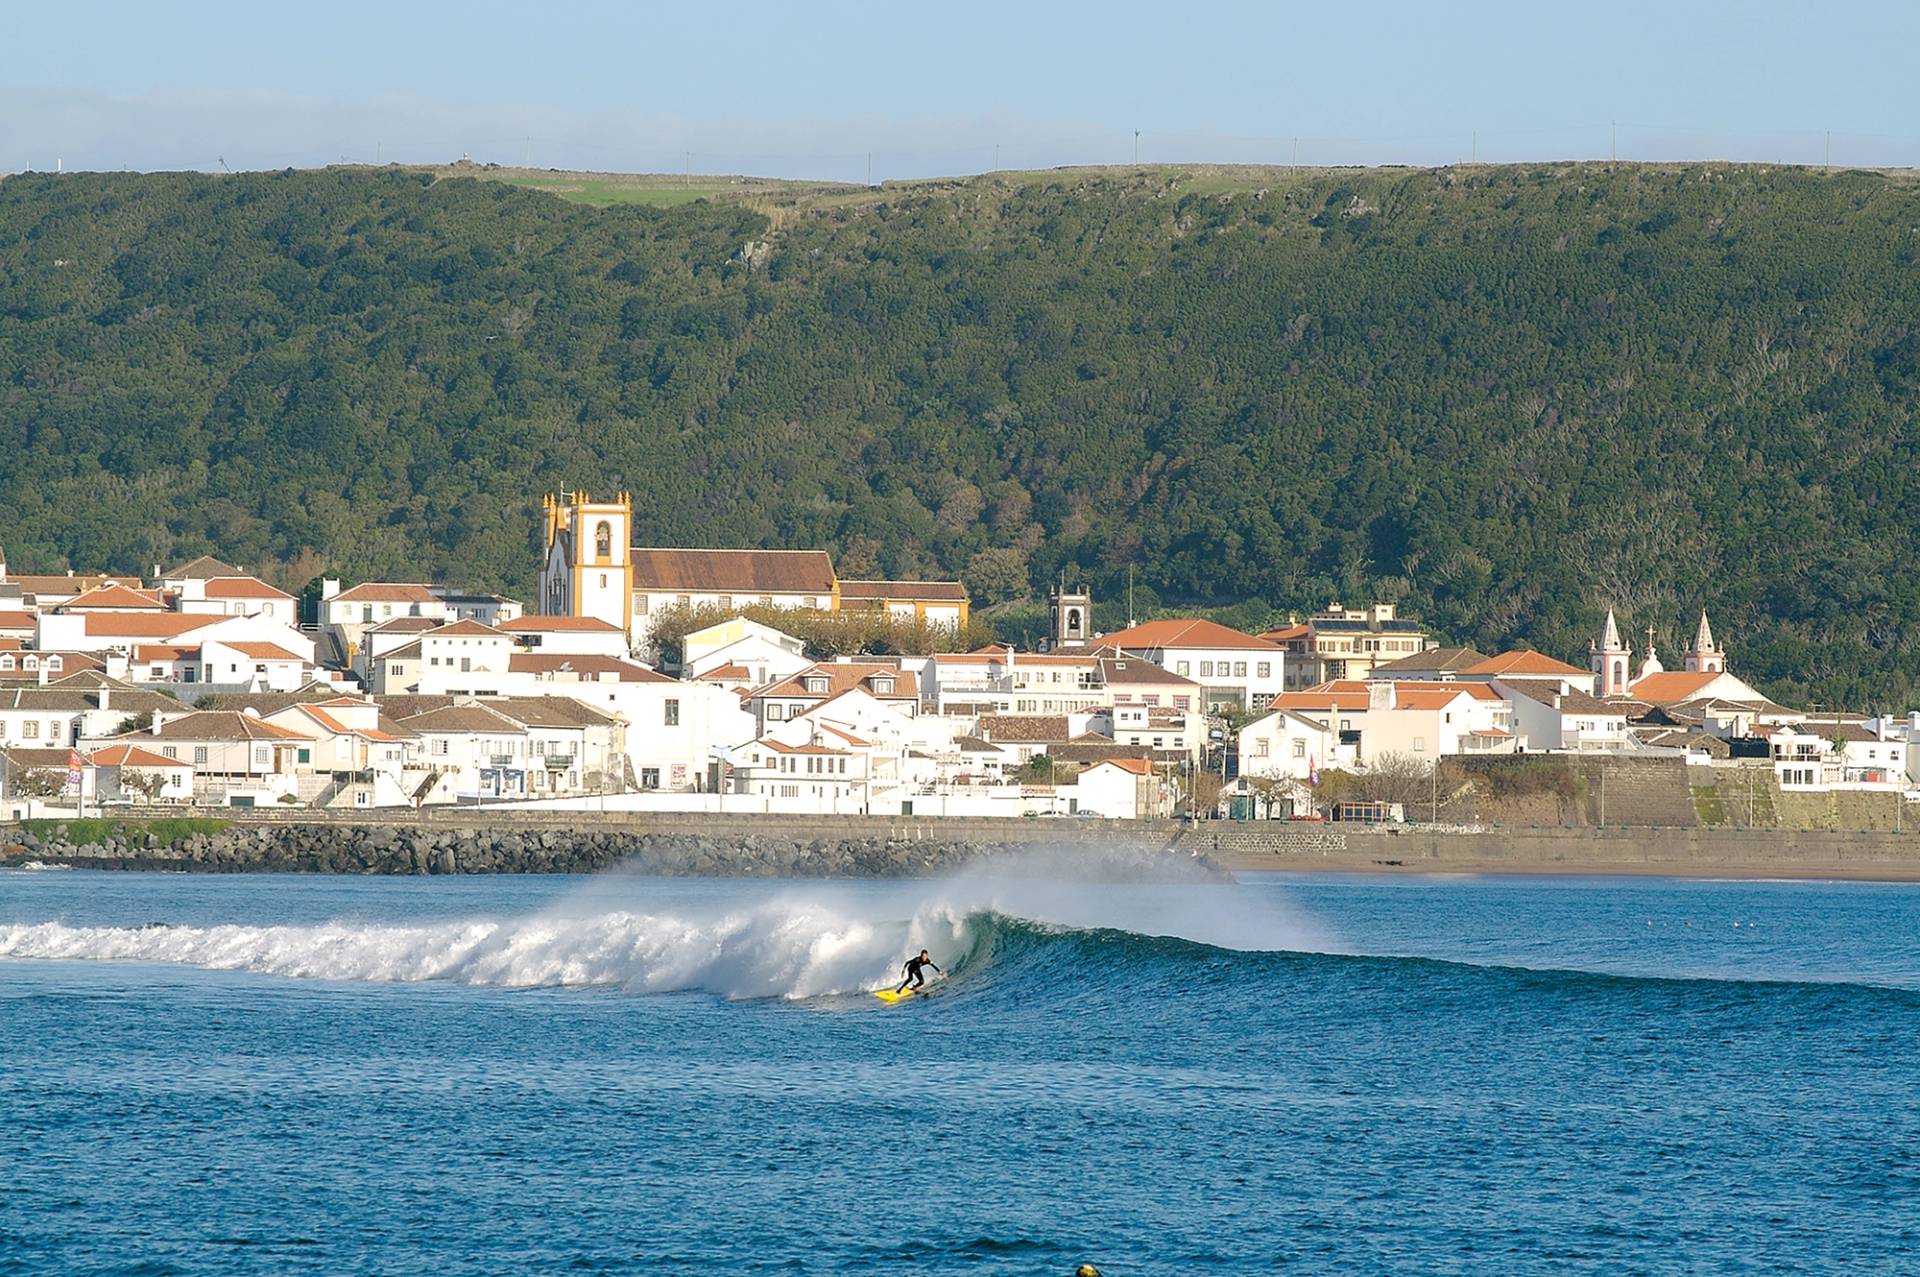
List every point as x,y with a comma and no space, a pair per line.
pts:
799,943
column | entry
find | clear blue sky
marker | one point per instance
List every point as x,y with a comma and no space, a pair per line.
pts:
808,89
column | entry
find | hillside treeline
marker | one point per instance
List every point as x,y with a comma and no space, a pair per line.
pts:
1503,397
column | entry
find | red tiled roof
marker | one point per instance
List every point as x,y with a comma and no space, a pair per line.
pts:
559,624
904,591
133,756
462,629
1185,633
242,587
843,677
1138,766
1670,687
1287,633
132,625
386,592
114,596
733,571
726,673
165,652
1537,664
588,668
264,652
22,621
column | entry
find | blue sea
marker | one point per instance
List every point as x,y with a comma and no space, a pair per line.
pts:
292,1074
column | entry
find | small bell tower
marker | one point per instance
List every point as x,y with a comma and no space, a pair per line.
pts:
1610,659
1071,623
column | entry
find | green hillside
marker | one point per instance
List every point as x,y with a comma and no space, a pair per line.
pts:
1502,396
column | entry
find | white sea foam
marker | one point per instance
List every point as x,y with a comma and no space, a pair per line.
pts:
801,942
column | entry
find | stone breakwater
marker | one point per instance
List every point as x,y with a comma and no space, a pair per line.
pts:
400,850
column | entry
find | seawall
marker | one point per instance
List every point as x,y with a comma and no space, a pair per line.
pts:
489,841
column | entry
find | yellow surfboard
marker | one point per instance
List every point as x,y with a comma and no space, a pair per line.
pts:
890,996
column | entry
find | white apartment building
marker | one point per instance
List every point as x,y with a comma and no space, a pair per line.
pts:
1231,668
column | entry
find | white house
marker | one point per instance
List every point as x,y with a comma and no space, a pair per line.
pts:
1119,789
238,759
751,654
235,596
1231,668
1548,718
135,775
567,636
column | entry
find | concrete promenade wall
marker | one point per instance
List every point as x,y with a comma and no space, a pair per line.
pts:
1711,852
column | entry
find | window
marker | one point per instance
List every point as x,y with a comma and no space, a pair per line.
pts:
169,751
603,541
1419,744
883,686
649,778
603,580
466,665
673,713
776,711
684,600
1260,748
1239,669
726,600
639,605
305,755
396,670
259,755
366,614
30,730
440,746
1206,669
1263,670
1180,668
1299,749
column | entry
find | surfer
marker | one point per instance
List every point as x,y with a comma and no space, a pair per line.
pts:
916,975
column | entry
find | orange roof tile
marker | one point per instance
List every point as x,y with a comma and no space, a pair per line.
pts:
1189,633
559,624
133,756
1138,766
265,652
386,592
1538,664
743,572
242,587
132,625
1670,687
114,595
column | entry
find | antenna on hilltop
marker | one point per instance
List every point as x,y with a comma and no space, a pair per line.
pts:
223,165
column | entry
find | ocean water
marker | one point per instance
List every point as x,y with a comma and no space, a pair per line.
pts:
284,1074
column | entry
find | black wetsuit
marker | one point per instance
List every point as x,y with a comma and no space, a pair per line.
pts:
915,976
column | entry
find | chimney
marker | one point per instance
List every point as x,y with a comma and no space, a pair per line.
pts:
1382,695
329,586
106,696
153,728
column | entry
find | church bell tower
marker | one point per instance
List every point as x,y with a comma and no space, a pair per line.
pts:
588,570
1071,623
1610,660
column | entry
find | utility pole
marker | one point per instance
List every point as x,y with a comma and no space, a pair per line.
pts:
1136,146
686,169
1296,152
996,157
1613,153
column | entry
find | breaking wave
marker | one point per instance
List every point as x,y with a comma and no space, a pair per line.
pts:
791,946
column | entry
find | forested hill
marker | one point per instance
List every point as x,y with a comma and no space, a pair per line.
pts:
1503,396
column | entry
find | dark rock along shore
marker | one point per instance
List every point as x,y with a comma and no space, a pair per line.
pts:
398,850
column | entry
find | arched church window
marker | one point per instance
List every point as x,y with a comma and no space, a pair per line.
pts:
1073,620
603,539
1620,673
